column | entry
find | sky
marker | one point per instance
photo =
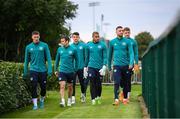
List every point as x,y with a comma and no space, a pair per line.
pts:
153,16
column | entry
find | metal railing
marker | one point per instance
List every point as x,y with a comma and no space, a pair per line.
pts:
161,74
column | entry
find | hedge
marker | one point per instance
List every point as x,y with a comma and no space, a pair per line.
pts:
14,93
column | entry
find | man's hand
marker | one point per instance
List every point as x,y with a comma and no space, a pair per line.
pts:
136,68
102,71
85,72
130,67
56,73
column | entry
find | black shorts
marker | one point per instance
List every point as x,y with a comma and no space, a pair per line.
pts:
68,77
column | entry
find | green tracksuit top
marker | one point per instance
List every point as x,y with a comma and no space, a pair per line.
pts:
37,55
120,49
96,55
80,47
65,58
135,49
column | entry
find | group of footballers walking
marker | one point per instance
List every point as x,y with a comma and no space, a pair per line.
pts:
87,61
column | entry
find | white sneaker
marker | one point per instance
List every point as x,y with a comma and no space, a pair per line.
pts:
73,101
93,102
69,102
83,98
62,104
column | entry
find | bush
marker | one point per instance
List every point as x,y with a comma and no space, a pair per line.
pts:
14,92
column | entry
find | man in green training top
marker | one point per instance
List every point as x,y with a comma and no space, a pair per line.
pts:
36,54
135,50
120,50
79,66
95,65
65,58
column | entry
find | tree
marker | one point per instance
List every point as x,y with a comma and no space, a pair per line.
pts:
20,17
143,40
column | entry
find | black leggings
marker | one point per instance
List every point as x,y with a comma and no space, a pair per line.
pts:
95,82
79,73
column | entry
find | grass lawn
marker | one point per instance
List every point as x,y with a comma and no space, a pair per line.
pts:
83,110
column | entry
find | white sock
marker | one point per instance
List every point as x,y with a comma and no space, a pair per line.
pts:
63,100
117,100
34,101
73,97
129,95
69,99
82,95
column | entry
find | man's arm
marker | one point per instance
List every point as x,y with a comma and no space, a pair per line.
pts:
86,56
131,55
110,53
48,57
136,52
105,55
26,62
56,65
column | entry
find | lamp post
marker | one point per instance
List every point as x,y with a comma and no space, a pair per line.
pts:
105,24
93,4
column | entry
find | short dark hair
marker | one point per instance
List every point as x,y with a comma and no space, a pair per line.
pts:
126,29
118,27
66,38
35,33
95,32
76,33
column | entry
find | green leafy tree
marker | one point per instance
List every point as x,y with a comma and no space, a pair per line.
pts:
143,40
20,17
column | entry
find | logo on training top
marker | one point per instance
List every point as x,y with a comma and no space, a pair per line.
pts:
31,49
91,47
115,44
124,44
99,46
40,48
31,78
70,52
61,52
80,47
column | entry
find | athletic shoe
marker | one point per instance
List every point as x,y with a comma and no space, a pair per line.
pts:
35,107
69,102
98,100
73,101
83,98
121,96
62,104
116,102
41,104
93,102
125,101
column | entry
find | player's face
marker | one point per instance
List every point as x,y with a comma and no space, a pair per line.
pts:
35,38
75,38
119,32
64,42
127,34
96,37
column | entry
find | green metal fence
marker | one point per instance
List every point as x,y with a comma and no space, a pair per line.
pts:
161,74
